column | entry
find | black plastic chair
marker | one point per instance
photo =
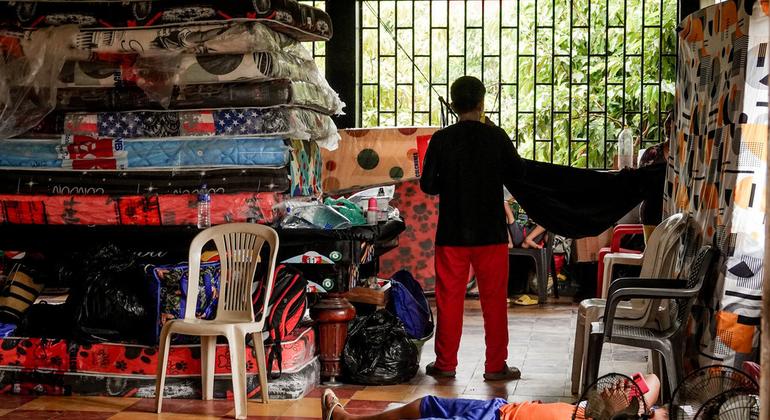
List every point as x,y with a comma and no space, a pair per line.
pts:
669,342
543,265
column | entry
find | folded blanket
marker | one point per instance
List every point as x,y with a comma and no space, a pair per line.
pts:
80,152
227,95
133,209
253,122
301,21
219,181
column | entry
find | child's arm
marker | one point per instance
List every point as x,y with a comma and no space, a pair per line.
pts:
508,213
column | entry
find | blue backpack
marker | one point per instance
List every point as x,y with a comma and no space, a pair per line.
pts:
408,303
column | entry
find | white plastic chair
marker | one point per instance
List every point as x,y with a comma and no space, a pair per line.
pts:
617,258
658,261
239,246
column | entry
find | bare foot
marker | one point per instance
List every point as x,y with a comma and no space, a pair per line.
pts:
529,243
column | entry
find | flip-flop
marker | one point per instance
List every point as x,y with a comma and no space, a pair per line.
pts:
329,404
525,300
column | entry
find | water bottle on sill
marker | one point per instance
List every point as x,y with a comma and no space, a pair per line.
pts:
625,149
204,208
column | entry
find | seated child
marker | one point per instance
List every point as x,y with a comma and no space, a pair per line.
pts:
522,232
431,407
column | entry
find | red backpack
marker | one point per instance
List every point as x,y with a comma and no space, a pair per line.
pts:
285,310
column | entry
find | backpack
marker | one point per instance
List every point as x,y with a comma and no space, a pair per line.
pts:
285,310
408,303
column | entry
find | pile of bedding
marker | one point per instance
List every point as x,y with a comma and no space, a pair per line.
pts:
119,112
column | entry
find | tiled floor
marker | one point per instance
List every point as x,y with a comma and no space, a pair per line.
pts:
541,341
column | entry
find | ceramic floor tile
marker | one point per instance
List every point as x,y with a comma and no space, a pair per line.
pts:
134,415
274,408
80,404
307,407
185,406
56,414
14,401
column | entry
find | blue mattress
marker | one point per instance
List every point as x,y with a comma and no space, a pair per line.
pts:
91,153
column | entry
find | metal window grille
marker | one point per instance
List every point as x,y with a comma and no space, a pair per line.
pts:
563,76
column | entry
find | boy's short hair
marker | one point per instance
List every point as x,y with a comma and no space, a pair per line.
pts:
466,93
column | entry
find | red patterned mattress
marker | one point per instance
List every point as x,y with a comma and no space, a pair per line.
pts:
164,209
59,367
415,245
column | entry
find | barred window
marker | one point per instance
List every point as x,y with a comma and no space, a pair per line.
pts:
563,76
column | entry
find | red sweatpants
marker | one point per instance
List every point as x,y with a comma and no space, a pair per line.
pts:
490,263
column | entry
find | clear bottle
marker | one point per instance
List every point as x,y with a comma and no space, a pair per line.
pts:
626,149
204,208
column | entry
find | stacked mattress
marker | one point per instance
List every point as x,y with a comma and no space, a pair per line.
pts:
119,112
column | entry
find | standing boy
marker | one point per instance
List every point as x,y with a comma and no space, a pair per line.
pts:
466,164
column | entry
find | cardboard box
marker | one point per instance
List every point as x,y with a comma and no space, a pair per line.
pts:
587,249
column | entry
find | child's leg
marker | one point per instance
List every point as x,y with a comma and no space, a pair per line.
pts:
409,411
532,239
491,266
653,383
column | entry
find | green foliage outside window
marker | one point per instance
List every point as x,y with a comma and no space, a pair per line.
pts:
523,51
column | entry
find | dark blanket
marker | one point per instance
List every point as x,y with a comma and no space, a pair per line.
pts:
219,181
577,202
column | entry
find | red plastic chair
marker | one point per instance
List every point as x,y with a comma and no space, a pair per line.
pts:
617,234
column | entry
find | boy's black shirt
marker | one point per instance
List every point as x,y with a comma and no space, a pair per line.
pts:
466,164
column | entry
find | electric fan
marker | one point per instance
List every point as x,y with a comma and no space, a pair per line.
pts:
613,396
704,392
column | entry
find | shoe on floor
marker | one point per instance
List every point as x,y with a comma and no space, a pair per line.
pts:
525,300
507,374
431,370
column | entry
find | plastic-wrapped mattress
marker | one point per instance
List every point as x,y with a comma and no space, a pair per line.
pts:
130,69
272,93
81,152
207,38
219,181
147,209
233,122
300,21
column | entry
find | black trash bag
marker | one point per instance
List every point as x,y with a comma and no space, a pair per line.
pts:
108,298
378,351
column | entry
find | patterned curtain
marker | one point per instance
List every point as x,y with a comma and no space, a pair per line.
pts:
717,168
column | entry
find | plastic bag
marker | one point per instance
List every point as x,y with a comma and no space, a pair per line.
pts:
29,70
107,299
315,217
378,351
346,207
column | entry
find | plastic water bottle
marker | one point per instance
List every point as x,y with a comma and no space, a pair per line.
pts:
371,212
204,208
625,149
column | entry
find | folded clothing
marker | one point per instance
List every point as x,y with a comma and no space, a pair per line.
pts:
219,181
156,209
82,152
301,21
108,70
260,94
287,122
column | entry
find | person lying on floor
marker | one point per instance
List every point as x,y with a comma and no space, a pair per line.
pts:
432,407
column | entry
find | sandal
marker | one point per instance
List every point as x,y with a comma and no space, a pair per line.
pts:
329,402
525,300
